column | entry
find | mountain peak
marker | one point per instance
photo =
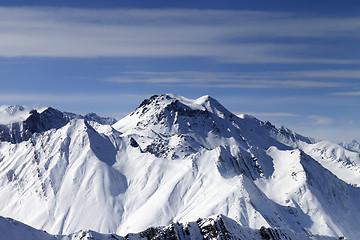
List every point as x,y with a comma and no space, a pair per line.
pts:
206,99
162,99
12,109
13,113
174,103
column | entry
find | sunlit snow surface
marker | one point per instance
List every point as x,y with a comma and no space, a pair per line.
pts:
177,160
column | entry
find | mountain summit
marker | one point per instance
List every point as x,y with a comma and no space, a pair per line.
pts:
175,160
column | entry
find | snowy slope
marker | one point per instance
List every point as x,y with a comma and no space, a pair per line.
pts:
176,160
220,227
345,164
14,230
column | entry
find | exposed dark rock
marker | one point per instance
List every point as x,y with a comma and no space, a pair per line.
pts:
133,143
35,123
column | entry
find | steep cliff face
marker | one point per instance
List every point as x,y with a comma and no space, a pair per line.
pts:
175,160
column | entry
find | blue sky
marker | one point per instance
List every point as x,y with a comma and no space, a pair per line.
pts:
294,63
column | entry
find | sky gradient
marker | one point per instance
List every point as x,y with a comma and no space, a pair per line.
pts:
293,63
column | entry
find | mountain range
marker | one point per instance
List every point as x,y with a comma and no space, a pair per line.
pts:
172,162
352,146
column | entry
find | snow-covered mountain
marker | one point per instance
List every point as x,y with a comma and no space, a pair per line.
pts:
352,146
13,113
174,160
35,121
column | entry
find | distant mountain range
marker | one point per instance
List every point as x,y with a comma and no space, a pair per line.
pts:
190,165
352,146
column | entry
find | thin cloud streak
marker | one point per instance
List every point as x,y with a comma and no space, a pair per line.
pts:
321,120
221,35
270,84
329,73
69,98
281,101
271,114
353,93
326,74
218,80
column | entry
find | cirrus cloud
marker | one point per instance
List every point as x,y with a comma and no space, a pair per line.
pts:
230,36
221,79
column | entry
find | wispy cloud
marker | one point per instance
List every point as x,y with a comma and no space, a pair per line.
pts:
272,114
329,73
351,93
220,35
271,84
262,115
321,120
221,80
69,98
